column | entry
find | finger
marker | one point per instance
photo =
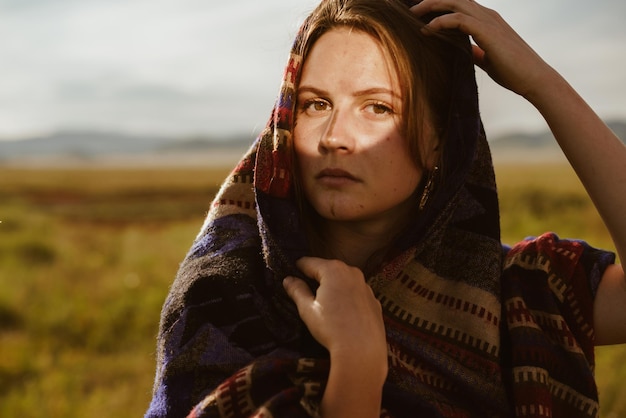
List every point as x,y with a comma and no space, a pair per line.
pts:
298,290
437,6
459,21
479,56
422,8
313,267
465,15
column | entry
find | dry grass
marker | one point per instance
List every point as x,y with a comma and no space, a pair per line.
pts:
87,257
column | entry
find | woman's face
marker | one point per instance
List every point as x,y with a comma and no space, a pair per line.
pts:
354,162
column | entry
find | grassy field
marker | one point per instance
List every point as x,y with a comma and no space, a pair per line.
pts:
87,256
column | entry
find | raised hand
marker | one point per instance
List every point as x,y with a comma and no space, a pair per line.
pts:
596,154
499,50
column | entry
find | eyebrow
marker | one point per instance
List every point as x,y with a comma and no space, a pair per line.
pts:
365,92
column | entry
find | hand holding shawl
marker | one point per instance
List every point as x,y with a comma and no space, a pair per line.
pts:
346,318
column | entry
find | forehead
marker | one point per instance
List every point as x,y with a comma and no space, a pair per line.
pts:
350,54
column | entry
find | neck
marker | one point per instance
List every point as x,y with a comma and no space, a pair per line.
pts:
360,243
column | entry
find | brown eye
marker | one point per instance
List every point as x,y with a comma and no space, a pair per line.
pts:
315,106
380,109
319,105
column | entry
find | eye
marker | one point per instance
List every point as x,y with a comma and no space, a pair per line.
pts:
313,106
379,108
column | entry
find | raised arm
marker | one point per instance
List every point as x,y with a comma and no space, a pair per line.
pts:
593,150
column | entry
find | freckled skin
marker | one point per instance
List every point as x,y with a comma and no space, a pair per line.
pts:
348,118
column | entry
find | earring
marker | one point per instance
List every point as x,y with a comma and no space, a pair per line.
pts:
428,189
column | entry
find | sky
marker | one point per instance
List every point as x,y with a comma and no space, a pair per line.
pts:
202,67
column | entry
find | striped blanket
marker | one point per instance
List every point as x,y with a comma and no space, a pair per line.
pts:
473,330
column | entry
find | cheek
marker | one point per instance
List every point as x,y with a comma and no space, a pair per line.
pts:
300,153
304,147
404,175
303,157
298,140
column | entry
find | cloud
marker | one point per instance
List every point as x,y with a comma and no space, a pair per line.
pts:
193,66
162,55
585,42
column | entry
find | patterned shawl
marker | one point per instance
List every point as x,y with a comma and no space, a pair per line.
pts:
231,342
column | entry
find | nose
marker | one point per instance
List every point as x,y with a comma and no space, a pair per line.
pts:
337,135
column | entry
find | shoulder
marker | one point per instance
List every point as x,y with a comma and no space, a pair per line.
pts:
555,278
548,291
564,258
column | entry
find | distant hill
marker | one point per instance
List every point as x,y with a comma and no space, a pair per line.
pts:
544,139
537,147
94,146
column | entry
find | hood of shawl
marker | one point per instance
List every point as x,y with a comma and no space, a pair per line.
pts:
466,200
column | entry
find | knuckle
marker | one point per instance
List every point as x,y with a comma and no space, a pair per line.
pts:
494,14
336,264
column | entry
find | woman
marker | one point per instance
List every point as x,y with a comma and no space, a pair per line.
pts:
351,263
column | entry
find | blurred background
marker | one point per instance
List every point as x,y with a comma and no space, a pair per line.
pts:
197,67
119,120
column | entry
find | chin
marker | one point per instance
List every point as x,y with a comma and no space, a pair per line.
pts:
331,208
338,213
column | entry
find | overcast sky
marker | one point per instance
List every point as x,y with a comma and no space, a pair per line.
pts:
189,67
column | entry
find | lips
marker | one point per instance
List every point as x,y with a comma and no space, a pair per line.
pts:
336,173
336,178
